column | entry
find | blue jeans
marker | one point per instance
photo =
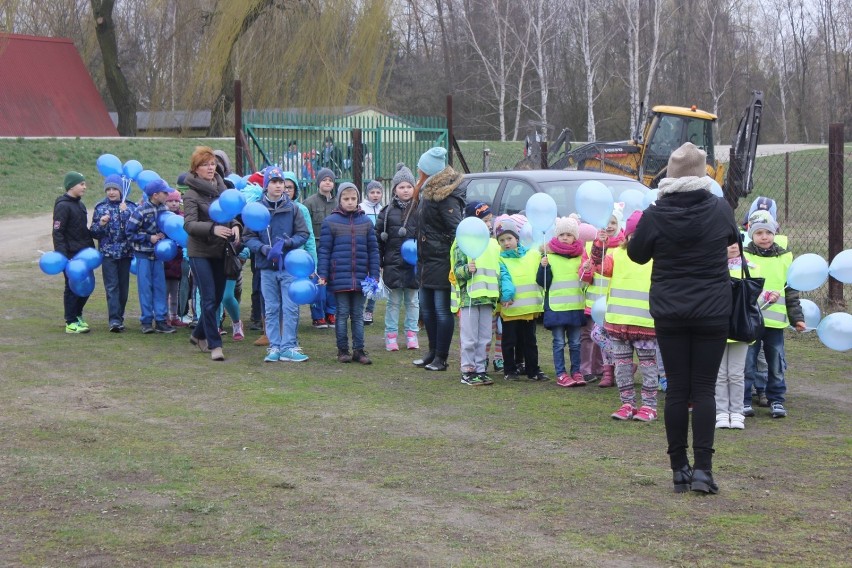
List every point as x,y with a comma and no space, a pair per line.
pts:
151,279
274,285
116,275
412,309
209,274
350,305
324,304
437,319
560,333
772,342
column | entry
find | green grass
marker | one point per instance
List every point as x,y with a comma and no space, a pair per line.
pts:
136,450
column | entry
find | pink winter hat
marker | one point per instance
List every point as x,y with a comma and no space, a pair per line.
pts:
632,221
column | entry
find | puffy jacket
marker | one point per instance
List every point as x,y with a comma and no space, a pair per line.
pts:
112,242
687,235
287,222
197,222
70,226
371,209
440,211
396,272
348,251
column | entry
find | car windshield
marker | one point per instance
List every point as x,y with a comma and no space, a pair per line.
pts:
563,192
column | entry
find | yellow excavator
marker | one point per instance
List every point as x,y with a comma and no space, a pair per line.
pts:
666,128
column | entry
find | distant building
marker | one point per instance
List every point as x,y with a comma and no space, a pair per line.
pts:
46,90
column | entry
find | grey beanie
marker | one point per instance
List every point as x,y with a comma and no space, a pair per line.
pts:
324,173
402,174
343,187
374,184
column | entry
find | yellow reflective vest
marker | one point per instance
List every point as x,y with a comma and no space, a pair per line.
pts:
598,287
485,282
565,292
628,296
529,298
774,270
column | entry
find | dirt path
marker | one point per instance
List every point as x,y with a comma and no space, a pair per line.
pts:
23,237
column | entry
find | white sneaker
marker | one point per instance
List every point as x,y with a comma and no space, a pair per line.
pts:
723,420
737,421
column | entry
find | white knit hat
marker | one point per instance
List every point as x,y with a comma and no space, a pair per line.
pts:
567,225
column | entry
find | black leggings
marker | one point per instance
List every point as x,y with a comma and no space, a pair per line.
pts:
691,354
520,334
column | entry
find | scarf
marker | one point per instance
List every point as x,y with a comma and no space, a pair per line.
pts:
683,184
575,249
400,203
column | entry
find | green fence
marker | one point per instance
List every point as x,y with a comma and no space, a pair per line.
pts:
326,141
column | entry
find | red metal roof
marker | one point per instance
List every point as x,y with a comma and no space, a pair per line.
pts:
46,90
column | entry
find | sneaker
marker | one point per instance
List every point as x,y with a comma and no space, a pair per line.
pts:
486,380
663,383
343,356
564,380
522,368
498,364
624,413
75,327
222,331
778,410
115,328
147,328
177,322
255,326
737,421
390,342
748,410
331,319
513,377
471,379
368,318
360,356
320,324
163,327
578,380
539,377
645,414
591,379
762,401
82,323
272,355
187,319
411,341
723,420
193,323
292,355
238,331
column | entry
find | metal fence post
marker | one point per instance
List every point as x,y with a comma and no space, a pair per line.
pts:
357,159
486,160
238,127
786,186
450,133
835,209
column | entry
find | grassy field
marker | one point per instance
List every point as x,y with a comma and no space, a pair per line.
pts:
132,450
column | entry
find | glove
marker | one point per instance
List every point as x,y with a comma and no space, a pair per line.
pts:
288,243
275,251
264,250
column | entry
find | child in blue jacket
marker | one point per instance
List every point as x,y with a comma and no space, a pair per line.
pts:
348,253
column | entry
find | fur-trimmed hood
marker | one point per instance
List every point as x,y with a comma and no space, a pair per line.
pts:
441,185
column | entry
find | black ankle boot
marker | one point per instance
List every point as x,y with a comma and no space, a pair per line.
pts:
682,478
702,482
425,360
438,364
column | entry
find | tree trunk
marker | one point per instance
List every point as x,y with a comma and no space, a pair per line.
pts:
122,96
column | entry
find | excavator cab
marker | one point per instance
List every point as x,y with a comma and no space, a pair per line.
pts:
667,129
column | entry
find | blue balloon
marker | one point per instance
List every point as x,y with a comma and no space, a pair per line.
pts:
232,202
302,291
807,272
841,267
76,270
715,189
633,201
256,216
526,236
835,331
52,262
299,263
83,287
218,214
594,203
180,236
232,177
241,182
165,250
132,169
650,197
812,314
472,236
133,266
540,211
145,177
409,251
92,257
169,223
163,218
599,310
109,165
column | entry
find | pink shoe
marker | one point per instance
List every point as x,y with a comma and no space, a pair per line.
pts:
578,379
411,340
626,412
563,380
238,331
645,414
390,342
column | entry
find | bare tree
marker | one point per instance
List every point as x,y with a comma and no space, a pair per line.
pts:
122,95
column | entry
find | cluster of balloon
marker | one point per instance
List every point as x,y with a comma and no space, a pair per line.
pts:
472,236
232,202
300,264
80,270
810,271
239,182
172,225
130,171
594,203
409,251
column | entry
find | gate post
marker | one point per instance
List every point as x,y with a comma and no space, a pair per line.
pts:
238,127
357,159
450,135
835,209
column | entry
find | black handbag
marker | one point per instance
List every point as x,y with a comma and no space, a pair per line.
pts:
233,264
746,321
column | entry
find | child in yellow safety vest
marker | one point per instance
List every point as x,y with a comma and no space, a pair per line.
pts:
564,302
476,292
782,308
521,302
630,327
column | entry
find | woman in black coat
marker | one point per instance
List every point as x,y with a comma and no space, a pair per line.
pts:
440,211
687,233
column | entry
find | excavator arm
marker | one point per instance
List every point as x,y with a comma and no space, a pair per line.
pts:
739,181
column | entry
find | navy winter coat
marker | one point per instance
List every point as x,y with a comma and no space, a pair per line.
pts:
348,251
287,222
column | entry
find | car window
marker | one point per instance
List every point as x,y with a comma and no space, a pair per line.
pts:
482,190
515,196
565,192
